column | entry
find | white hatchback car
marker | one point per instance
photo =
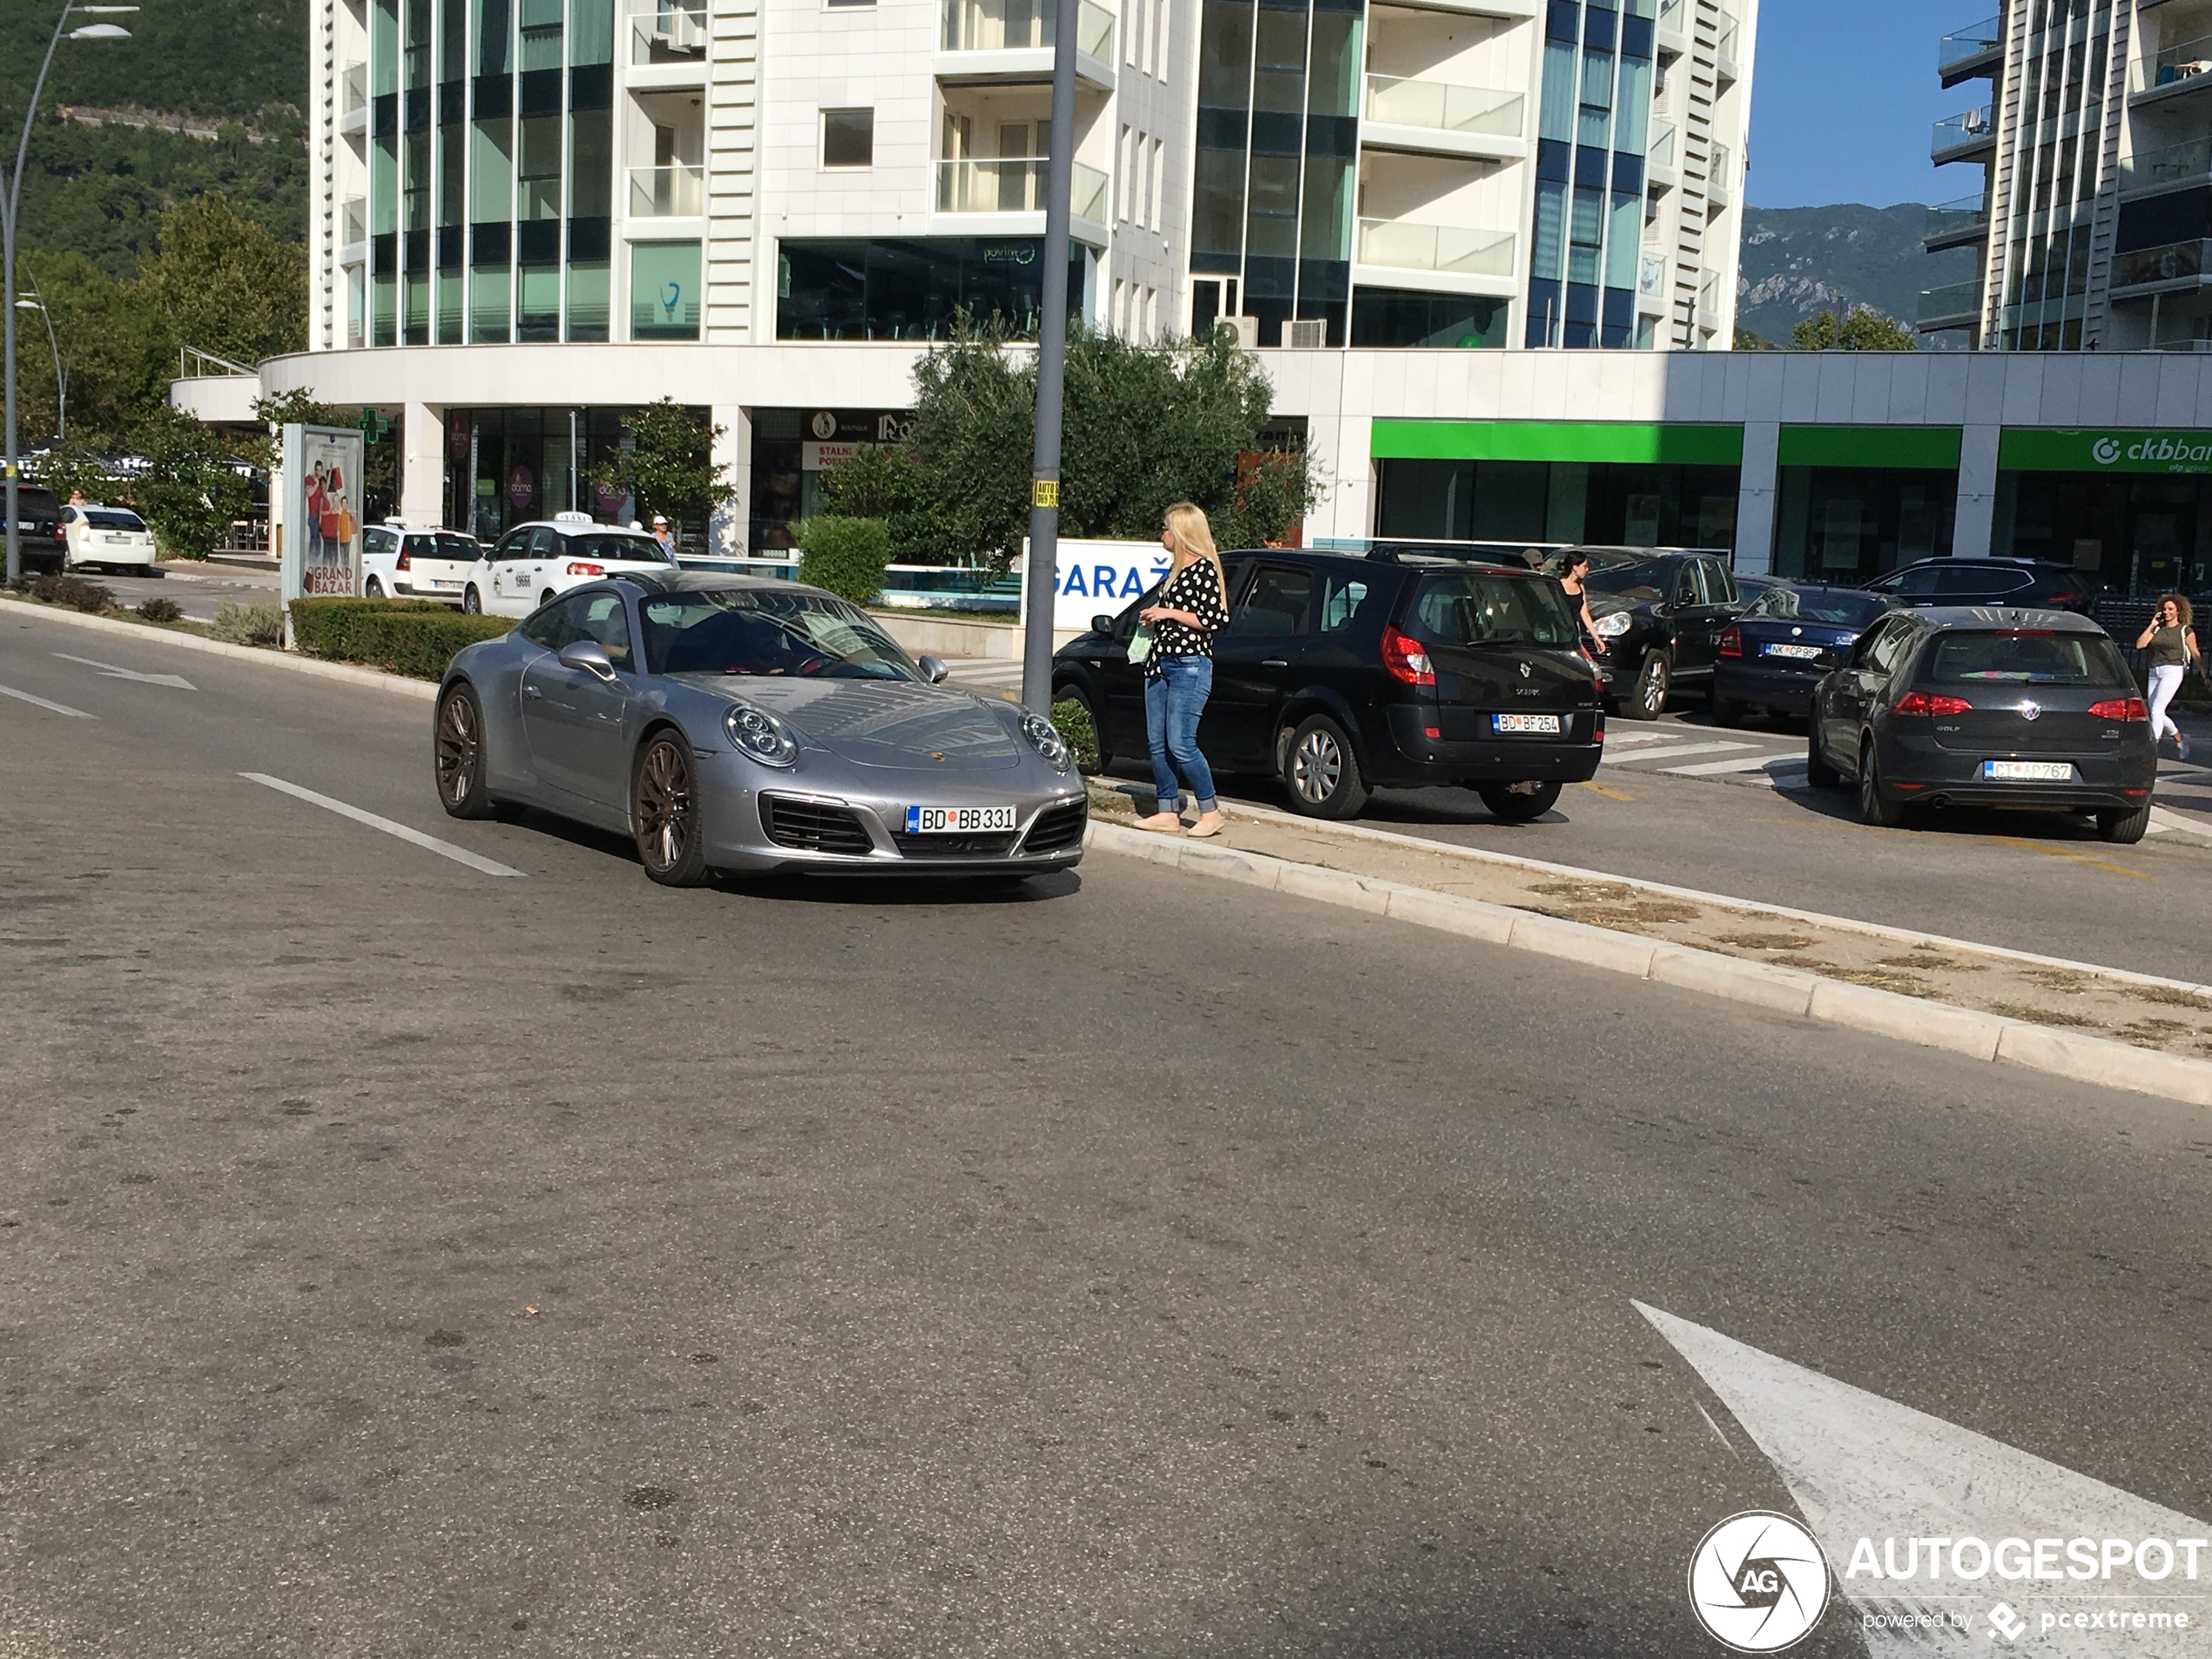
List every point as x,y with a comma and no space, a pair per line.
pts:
401,562
531,563
111,539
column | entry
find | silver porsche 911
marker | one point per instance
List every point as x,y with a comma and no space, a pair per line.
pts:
746,725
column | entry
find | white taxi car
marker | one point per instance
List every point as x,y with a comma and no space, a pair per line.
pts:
531,563
110,538
400,561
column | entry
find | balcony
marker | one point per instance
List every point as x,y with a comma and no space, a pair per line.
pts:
1709,299
1964,136
1441,116
1970,51
1017,185
1725,36
2187,163
1954,223
353,99
662,33
1652,281
352,230
1447,250
1659,156
2174,267
1720,175
1956,305
667,192
986,40
1674,26
2179,71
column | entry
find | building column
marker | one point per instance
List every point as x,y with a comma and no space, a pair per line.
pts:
1755,491
422,465
1977,512
1345,476
728,530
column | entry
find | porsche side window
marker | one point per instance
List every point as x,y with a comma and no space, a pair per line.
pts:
556,624
603,619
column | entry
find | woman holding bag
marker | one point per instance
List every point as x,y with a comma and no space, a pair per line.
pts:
1187,611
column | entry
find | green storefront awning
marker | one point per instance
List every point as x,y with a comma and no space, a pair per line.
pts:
1636,442
2028,449
1932,446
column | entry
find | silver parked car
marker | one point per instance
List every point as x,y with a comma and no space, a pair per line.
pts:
740,724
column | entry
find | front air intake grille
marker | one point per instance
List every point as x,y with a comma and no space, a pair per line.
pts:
953,847
807,826
1058,828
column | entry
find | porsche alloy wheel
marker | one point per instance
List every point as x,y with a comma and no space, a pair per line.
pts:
457,748
665,810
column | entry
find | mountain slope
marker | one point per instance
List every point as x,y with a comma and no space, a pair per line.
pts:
1799,260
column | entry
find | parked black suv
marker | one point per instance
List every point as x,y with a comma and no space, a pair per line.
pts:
1988,581
1339,674
1660,611
38,527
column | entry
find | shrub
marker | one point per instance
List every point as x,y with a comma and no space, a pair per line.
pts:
74,591
845,556
1072,720
248,624
413,636
161,610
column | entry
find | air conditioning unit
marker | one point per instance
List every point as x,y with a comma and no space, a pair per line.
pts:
1247,330
1308,333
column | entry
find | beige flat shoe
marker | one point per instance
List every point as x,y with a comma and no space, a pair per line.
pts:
1161,824
1201,830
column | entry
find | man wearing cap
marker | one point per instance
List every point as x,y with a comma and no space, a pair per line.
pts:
665,537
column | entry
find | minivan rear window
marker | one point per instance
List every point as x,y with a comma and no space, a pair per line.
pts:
1477,608
2027,658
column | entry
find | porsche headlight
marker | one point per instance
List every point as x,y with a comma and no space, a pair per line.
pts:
1045,741
1613,624
761,735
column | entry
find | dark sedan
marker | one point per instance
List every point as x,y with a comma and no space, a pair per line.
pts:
1772,656
1977,707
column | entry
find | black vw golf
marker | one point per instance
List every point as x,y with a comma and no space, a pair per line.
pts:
1977,707
1339,674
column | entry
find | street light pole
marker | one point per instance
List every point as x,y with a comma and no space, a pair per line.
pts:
1038,577
37,303
10,204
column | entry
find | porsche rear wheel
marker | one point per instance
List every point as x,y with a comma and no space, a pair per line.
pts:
665,810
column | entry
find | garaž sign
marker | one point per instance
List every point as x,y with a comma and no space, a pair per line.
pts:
2175,450
1100,578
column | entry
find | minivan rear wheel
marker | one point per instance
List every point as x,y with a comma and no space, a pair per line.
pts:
1321,772
1518,803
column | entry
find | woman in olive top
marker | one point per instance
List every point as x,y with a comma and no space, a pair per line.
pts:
2168,646
1184,616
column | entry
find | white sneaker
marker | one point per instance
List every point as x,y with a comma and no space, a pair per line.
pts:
2180,746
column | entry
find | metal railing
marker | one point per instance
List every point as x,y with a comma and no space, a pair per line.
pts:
1968,127
1015,186
661,33
1659,152
1952,300
667,192
1956,217
2172,262
1435,247
195,364
1445,106
2188,61
1019,25
1962,45
2171,164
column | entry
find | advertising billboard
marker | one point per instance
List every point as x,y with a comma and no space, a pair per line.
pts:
322,510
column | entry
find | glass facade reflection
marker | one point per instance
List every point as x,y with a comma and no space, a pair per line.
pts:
832,288
1592,127
2055,188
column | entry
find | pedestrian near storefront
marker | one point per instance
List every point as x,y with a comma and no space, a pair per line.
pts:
1184,616
665,537
1574,578
2168,646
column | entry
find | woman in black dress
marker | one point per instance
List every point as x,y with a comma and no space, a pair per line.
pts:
1184,616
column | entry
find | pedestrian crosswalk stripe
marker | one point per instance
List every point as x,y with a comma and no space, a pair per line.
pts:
1741,763
1682,749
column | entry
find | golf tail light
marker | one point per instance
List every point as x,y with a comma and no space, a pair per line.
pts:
2121,708
579,567
1922,703
1731,641
761,735
1405,660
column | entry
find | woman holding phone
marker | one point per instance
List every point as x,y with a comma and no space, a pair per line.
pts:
1184,616
2168,646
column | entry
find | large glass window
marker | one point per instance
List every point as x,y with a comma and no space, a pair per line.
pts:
538,308
539,176
591,31
494,51
591,164
1396,317
491,183
664,290
540,33
840,289
588,286
491,291
1847,525
848,138
384,48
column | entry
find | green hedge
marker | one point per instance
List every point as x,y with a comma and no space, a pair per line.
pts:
846,556
415,637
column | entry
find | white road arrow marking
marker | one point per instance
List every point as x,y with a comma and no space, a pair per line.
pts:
1861,1467
114,673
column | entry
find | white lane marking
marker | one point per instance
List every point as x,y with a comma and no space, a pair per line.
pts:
59,708
2162,820
1613,738
112,672
1862,1467
1742,762
458,854
1682,749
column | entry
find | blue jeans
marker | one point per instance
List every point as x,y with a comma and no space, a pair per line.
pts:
1173,702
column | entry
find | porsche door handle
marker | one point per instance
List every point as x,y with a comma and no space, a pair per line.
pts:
1275,661
532,692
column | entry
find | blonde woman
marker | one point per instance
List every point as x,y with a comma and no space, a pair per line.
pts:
2168,646
1184,616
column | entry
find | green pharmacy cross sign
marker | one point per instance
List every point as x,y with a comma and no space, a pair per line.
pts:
372,424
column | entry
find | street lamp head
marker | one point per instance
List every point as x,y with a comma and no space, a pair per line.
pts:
99,31
29,305
97,9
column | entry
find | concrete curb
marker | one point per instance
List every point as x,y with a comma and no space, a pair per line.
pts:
372,677
1783,990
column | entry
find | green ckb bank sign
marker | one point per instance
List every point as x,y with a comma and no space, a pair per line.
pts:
2091,451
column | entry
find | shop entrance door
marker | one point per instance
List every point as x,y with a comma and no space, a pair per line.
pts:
2159,539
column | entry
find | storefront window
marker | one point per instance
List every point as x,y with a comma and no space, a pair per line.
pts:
1400,317
505,466
913,290
2136,534
1847,525
1602,503
664,291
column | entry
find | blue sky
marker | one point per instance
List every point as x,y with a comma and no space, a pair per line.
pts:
1842,97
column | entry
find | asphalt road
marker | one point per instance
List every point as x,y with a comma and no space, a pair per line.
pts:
401,1258
200,588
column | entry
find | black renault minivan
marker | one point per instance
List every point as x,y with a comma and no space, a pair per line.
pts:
1339,674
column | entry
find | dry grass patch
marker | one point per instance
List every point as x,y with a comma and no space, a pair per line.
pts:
2171,998
1925,963
2041,1017
2058,979
1766,941
1585,892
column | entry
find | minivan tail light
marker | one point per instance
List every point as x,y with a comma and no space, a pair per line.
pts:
1731,641
581,568
1922,703
2121,708
1405,660
405,563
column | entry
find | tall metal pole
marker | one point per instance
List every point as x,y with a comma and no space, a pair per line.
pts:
1037,578
8,210
61,375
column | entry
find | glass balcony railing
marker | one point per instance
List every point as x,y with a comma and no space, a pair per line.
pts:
353,221
1672,14
1018,25
2175,262
1443,106
2189,61
1956,218
353,89
1709,293
661,33
1661,151
1016,185
1724,40
1962,130
1435,247
2173,164
1963,45
1651,274
667,192
1720,175
1952,300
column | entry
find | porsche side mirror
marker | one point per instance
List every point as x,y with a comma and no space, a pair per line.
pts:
588,656
933,668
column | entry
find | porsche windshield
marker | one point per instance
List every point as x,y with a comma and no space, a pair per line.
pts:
752,631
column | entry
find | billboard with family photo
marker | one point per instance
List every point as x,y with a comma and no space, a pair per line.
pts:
322,508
